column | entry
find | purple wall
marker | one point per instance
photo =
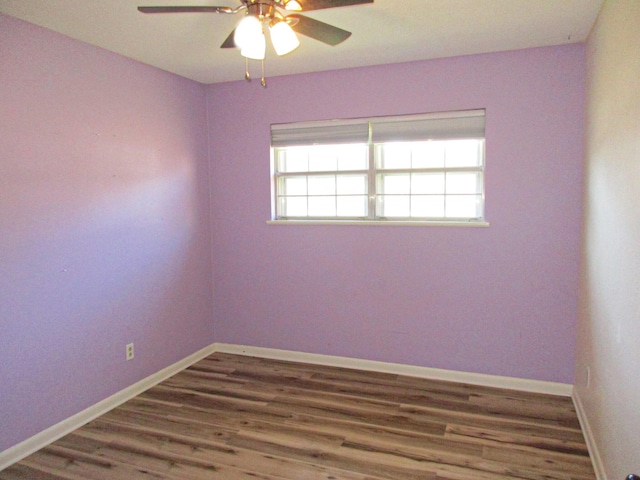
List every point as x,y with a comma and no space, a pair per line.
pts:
500,300
104,223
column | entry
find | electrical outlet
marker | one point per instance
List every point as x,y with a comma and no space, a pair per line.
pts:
129,351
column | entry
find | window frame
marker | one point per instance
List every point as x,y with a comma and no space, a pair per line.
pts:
373,172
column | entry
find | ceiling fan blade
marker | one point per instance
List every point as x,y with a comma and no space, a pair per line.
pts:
229,42
318,30
320,4
186,10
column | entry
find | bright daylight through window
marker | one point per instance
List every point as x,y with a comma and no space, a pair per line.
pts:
413,168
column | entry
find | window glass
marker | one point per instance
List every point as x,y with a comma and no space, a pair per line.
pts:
428,155
462,153
351,185
293,159
322,185
427,183
322,206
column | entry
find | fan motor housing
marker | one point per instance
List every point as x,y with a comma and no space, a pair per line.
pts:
261,9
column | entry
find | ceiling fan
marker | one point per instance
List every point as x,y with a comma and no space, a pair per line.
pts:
261,15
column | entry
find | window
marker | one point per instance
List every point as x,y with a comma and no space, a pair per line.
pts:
418,168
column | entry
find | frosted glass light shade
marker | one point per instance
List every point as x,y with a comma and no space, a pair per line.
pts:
283,38
247,30
255,49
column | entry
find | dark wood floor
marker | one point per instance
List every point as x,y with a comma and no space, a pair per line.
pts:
232,417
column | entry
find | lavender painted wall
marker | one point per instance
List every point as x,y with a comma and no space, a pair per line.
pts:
500,300
104,222
609,320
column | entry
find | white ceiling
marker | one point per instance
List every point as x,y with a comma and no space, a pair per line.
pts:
387,31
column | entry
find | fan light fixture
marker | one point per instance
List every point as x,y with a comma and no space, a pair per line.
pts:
249,34
250,39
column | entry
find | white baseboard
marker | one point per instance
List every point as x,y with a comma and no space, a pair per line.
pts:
535,386
594,453
21,450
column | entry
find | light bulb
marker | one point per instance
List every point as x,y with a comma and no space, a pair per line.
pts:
293,6
247,30
255,48
283,38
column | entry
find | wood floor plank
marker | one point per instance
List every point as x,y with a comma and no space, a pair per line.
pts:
563,414
501,422
239,418
496,437
384,468
577,466
80,465
185,425
22,471
191,454
355,431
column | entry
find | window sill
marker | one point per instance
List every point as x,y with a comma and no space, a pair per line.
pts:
389,223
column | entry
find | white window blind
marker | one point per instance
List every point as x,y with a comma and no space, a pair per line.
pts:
457,125
319,134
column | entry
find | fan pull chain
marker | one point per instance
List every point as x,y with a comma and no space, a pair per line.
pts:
247,76
263,81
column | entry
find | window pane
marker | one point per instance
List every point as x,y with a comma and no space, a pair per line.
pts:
394,184
462,206
322,185
322,206
323,158
353,206
292,159
293,185
427,206
293,206
393,155
394,206
427,183
352,184
458,183
428,155
352,157
463,153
